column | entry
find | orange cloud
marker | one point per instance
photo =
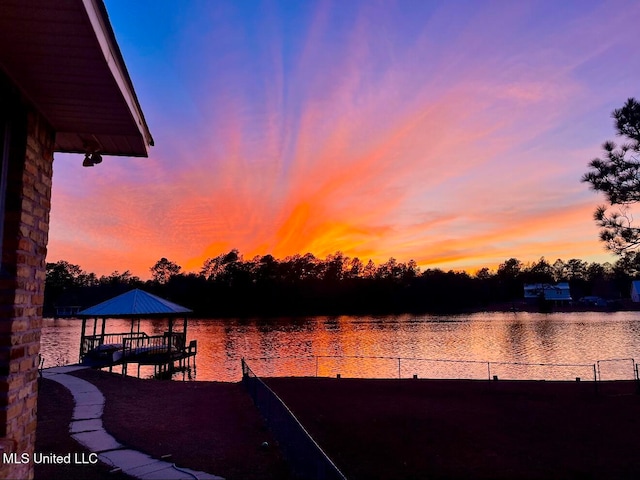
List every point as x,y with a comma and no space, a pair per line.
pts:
367,132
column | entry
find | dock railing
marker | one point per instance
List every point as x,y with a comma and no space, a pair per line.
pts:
91,342
305,457
148,345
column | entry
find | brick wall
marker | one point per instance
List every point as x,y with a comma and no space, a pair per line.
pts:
26,226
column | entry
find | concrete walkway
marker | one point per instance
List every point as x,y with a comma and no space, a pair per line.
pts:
87,429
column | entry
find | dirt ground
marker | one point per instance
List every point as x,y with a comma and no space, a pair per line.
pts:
372,429
208,426
457,429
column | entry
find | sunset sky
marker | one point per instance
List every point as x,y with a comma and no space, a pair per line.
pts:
451,133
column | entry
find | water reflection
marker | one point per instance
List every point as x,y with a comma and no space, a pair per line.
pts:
515,341
468,341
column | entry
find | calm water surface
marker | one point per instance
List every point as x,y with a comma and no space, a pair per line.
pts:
466,342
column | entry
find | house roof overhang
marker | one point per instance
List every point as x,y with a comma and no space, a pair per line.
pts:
64,58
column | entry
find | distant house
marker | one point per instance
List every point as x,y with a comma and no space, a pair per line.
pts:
558,293
635,291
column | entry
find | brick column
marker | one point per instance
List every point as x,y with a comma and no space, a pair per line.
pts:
26,226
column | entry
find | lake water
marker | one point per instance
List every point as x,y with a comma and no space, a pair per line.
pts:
519,346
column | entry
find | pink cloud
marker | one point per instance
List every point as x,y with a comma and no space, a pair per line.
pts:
453,146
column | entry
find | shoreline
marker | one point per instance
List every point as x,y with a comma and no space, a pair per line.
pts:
504,307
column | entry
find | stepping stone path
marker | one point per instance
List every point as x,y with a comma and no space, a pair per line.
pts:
87,429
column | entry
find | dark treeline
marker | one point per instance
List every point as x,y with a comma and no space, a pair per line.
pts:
228,285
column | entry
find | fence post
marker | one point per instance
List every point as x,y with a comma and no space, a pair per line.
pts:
316,366
398,367
489,370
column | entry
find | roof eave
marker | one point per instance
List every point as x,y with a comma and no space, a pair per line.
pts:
99,18
64,59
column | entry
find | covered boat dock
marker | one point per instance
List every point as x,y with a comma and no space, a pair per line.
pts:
100,349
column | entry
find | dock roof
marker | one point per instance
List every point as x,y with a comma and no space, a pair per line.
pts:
134,303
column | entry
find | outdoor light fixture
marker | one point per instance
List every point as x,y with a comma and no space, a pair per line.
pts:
91,159
92,148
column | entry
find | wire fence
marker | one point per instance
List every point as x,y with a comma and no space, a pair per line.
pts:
616,368
304,456
308,461
356,366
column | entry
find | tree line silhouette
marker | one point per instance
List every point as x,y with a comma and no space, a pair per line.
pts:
228,285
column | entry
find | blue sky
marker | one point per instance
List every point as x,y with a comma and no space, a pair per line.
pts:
452,133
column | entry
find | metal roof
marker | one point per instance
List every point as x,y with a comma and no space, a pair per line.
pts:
134,303
64,58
